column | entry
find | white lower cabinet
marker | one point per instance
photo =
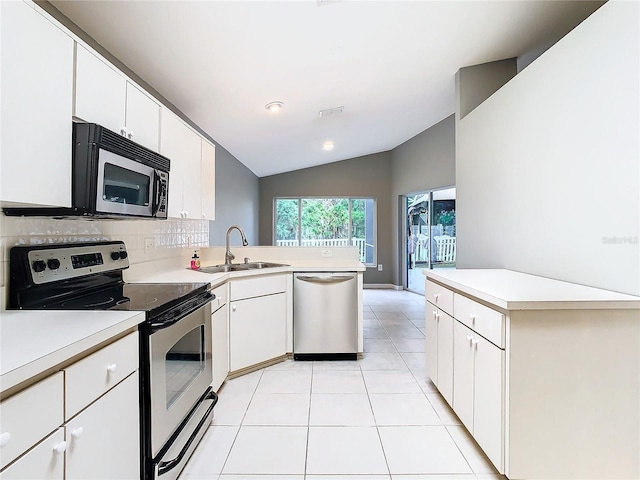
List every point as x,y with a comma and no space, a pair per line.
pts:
220,350
439,338
258,330
103,441
478,390
44,462
56,429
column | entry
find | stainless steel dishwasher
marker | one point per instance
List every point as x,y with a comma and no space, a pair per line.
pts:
325,316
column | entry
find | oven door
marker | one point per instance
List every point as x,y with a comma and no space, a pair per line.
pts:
180,372
124,186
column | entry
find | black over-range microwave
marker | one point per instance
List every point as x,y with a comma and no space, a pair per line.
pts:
112,177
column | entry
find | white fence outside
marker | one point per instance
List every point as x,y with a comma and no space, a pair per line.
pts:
444,248
327,242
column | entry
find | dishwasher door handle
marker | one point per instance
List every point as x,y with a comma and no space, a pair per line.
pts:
326,280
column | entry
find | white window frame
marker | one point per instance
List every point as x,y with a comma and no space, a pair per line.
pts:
274,240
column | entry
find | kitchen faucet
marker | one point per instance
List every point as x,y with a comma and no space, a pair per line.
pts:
228,256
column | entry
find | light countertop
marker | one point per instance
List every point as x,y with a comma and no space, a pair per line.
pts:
511,290
34,341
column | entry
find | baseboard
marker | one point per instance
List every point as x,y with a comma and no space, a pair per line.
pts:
388,286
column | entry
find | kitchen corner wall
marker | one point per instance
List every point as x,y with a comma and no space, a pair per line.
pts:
547,168
170,237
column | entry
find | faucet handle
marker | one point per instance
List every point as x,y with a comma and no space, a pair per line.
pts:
246,259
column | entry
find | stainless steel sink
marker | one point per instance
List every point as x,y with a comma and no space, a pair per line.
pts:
239,267
254,265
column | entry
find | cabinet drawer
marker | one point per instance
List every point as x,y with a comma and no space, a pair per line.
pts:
439,296
29,416
221,293
487,322
257,287
43,462
94,375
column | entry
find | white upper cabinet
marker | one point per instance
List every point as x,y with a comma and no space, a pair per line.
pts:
104,96
37,91
208,176
183,147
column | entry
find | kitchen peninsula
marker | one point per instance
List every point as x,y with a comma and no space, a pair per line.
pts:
527,363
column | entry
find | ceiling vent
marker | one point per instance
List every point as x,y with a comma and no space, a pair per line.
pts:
331,111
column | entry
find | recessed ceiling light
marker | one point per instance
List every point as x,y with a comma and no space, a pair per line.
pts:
327,146
274,106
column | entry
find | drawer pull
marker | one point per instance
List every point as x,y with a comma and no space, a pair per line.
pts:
60,448
113,368
78,432
5,437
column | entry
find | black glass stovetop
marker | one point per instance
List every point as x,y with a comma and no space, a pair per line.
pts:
153,298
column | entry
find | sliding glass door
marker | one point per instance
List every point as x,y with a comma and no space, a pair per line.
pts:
429,234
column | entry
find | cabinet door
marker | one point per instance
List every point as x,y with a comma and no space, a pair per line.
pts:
220,348
445,356
183,147
103,441
44,462
37,97
431,334
142,118
208,180
257,330
488,408
100,92
463,366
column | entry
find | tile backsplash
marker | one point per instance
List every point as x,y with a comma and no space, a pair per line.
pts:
169,236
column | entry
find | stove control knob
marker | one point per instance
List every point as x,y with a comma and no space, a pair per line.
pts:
115,256
39,266
123,254
53,263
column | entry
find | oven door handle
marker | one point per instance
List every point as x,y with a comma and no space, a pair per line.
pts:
165,322
164,467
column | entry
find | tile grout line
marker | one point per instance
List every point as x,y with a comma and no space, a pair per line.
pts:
235,438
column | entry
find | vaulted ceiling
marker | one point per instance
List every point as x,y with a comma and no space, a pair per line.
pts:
390,64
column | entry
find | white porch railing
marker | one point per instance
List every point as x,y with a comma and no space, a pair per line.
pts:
327,242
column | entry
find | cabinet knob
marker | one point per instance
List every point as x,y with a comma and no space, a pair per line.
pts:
123,131
435,295
130,134
78,432
113,368
436,315
472,316
233,308
470,338
204,215
5,437
60,447
474,343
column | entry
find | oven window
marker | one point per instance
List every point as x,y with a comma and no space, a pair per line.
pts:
184,362
125,186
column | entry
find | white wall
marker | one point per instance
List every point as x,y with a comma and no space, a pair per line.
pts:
547,169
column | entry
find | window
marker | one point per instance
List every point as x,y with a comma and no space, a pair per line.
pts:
327,222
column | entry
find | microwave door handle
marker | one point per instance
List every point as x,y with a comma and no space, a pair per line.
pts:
156,193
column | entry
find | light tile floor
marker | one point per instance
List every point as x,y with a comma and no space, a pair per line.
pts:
379,418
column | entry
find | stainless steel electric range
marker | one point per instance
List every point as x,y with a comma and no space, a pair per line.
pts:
176,400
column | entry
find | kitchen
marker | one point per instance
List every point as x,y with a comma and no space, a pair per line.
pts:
613,271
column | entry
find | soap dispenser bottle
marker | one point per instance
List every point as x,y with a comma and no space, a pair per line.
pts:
195,261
